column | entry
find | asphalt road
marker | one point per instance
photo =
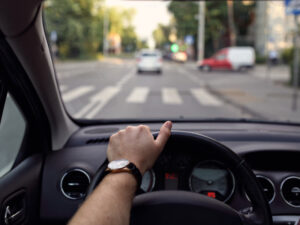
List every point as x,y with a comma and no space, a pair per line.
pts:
111,89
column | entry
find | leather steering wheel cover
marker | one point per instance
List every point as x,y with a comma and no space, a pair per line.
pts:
181,207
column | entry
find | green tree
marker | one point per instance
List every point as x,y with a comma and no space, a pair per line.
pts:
217,32
161,35
78,25
129,39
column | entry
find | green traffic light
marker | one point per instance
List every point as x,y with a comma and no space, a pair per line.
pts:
174,48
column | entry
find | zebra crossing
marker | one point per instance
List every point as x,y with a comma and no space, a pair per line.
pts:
95,101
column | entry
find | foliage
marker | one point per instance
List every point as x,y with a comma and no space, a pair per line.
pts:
216,21
79,25
260,59
129,39
287,55
161,35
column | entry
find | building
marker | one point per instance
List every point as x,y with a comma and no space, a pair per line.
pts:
273,27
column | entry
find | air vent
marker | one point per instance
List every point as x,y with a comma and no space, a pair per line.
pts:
94,141
268,187
290,191
74,184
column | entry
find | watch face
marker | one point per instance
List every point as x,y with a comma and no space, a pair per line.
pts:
118,164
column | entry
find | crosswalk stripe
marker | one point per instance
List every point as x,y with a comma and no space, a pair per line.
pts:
171,96
205,98
101,99
138,95
77,92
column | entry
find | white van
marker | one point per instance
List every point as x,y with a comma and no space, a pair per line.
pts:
232,58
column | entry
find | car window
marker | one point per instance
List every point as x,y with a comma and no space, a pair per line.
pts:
12,131
149,55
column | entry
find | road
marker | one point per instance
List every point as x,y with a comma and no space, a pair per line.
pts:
111,89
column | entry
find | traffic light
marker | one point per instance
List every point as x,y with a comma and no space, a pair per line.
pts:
174,48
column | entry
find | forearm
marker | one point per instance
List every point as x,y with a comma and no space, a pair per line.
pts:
110,203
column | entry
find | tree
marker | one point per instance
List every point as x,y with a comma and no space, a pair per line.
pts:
77,24
185,17
217,30
161,35
129,39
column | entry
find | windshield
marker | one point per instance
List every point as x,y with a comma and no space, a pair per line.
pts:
175,60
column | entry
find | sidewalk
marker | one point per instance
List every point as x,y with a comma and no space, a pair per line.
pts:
261,96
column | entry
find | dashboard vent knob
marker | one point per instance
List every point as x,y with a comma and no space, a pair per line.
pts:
290,191
74,184
268,187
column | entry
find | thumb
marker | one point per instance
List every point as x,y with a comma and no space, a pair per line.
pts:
164,134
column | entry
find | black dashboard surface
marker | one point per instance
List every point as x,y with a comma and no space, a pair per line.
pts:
272,151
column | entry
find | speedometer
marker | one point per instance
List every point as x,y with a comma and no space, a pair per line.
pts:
212,179
148,181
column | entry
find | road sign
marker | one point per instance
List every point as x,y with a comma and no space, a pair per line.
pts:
189,39
292,7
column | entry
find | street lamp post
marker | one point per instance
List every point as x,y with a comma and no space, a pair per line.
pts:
201,30
105,30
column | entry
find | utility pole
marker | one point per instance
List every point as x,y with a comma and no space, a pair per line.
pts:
232,30
201,30
296,65
105,30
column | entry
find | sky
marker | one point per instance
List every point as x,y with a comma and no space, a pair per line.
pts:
148,15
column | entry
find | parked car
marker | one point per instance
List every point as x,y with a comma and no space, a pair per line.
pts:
149,61
232,58
180,57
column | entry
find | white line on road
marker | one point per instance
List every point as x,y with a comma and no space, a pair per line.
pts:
97,102
191,76
205,98
124,80
77,92
102,98
138,95
171,96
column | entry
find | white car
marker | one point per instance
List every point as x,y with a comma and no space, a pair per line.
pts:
149,61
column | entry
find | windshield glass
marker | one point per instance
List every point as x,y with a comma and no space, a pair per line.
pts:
175,60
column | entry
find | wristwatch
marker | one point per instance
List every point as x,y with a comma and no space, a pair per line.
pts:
123,165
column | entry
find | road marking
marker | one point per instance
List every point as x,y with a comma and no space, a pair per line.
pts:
100,99
97,102
138,95
125,79
171,96
205,98
63,88
191,76
77,92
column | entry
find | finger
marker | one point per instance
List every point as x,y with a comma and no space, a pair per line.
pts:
164,134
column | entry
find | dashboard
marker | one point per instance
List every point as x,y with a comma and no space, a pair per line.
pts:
271,151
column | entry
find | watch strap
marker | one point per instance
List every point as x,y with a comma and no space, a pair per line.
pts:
135,172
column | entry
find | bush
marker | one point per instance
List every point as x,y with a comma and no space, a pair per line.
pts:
261,59
287,55
292,73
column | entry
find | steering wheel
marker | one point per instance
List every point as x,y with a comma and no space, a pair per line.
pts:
182,207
